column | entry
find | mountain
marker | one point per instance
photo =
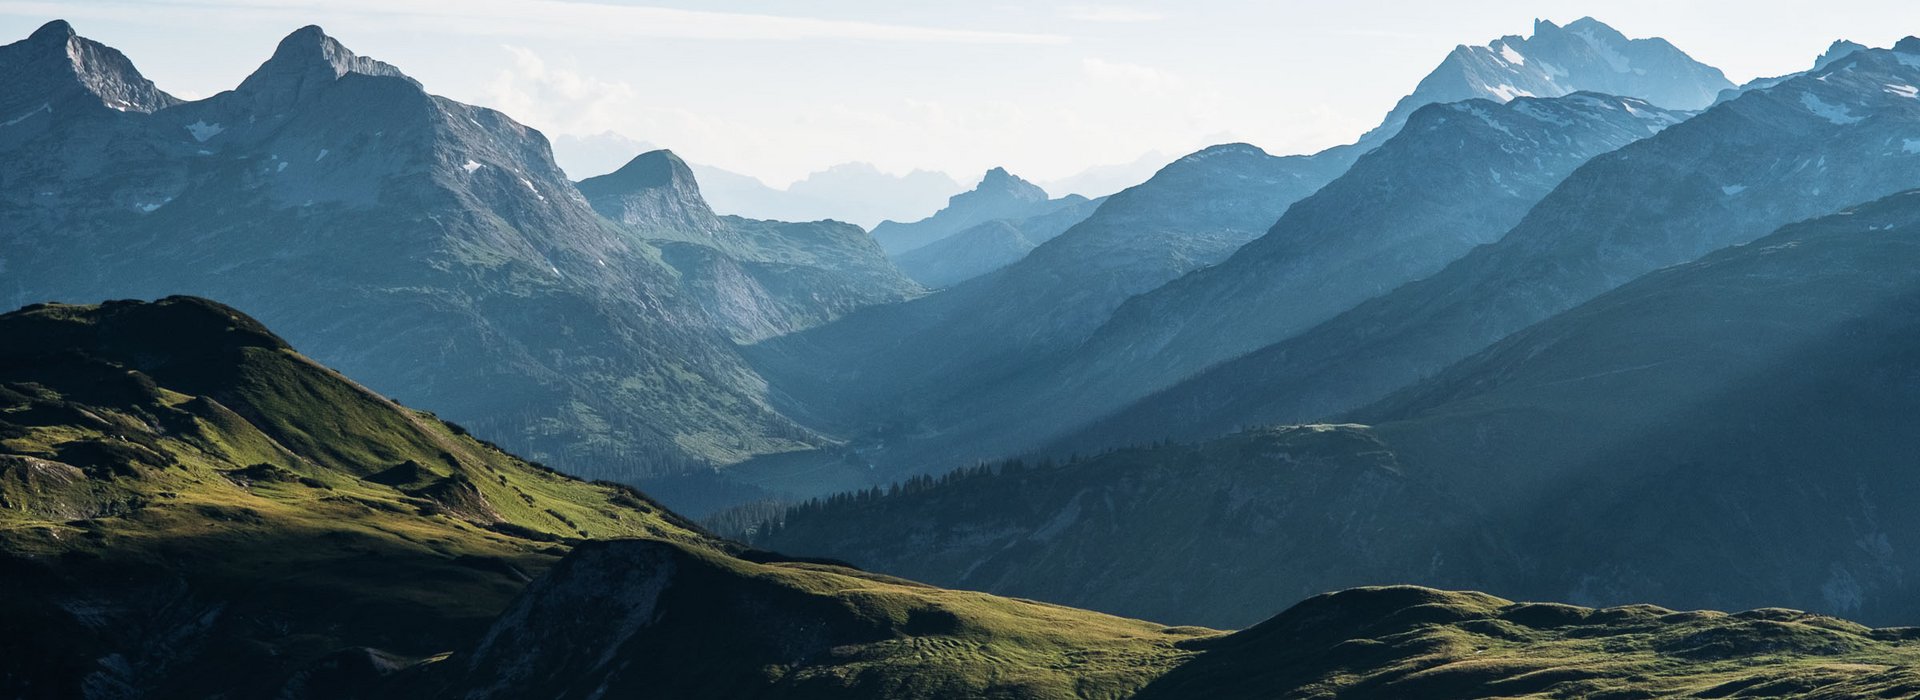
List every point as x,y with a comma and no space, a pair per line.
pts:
193,509
598,154
1000,195
1718,433
757,279
189,508
992,245
899,364
964,374
1837,50
853,192
1751,403
1803,148
1458,176
610,621
430,248
1586,55
57,72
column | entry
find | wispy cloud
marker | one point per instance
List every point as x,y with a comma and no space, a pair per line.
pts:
541,17
1110,13
1138,77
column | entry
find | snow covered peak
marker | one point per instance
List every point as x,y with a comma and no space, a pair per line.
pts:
1555,61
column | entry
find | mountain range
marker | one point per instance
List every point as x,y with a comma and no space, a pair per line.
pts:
857,193
1014,360
1735,172
1580,321
1739,413
431,248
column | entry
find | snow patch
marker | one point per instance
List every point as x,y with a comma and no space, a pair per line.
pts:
44,107
1910,146
1826,110
282,168
323,154
202,131
534,190
149,207
470,166
1904,90
1731,190
1505,92
1511,55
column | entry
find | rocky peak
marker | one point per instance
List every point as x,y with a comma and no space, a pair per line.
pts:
306,61
999,186
1836,51
656,191
57,70
1908,45
56,31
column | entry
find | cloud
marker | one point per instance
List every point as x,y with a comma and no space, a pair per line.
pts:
1110,13
525,17
1131,75
559,99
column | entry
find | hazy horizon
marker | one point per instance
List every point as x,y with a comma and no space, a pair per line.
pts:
1046,90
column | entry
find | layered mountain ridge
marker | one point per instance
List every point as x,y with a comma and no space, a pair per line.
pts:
1733,173
459,268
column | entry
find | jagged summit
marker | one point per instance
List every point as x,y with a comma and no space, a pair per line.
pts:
307,60
1000,195
1001,187
57,71
1586,54
1840,48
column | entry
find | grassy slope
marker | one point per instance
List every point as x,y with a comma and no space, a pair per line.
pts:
1407,642
180,455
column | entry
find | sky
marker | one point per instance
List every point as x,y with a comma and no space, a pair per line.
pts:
781,88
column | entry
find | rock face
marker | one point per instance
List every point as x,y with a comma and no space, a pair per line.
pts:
55,76
1805,147
429,248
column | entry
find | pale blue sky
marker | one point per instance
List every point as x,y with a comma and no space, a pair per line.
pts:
778,89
